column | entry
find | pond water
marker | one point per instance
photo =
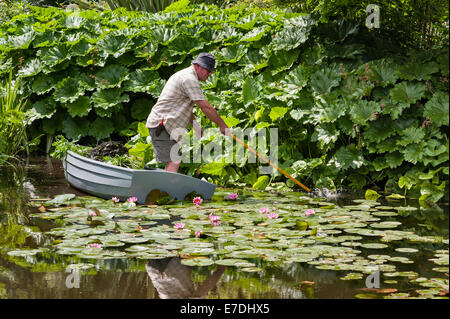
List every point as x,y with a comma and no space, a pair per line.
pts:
345,247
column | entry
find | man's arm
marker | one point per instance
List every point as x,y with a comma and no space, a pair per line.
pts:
212,114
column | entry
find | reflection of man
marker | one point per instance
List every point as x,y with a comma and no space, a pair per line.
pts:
172,279
173,110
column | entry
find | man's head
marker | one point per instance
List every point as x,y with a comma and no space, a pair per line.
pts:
204,65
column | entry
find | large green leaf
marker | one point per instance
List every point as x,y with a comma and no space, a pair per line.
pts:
282,60
80,107
277,112
232,54
250,90
417,71
407,92
364,111
75,129
101,128
325,135
436,109
349,156
323,81
289,38
411,135
114,44
379,130
383,72
111,76
295,80
141,81
108,98
68,90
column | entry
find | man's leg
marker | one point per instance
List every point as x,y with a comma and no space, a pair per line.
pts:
173,166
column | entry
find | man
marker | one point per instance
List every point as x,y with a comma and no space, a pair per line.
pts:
174,107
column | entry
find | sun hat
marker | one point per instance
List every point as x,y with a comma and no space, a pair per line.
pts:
206,60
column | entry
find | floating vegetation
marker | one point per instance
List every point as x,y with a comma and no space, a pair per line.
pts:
240,234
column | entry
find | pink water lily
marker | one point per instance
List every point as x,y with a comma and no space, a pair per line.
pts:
178,226
232,196
197,201
92,213
263,210
273,215
214,220
95,246
197,233
132,199
309,212
115,199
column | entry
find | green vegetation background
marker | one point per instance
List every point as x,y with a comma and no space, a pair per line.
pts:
356,108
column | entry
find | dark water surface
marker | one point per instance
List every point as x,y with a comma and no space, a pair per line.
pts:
48,276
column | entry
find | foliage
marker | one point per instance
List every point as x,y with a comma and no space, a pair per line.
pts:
13,119
142,5
363,116
407,22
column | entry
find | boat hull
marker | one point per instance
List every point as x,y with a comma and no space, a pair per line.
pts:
107,181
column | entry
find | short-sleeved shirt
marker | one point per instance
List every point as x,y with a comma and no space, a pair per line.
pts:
175,104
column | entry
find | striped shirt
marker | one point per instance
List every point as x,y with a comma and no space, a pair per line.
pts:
175,104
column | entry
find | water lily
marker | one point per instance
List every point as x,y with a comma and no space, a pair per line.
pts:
214,220
273,215
232,196
95,246
92,213
263,210
132,199
178,226
115,199
309,212
197,233
197,201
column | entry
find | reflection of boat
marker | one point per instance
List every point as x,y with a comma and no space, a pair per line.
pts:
106,181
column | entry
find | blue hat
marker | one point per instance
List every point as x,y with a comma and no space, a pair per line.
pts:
206,60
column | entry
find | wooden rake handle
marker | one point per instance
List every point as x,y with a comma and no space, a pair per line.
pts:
270,163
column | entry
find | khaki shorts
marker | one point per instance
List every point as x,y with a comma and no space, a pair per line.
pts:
162,145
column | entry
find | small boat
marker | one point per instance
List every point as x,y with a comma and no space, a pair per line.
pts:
107,181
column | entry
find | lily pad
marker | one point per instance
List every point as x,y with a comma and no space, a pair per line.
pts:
198,261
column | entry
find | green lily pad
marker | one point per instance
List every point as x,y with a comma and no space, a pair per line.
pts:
352,276
198,261
374,246
407,250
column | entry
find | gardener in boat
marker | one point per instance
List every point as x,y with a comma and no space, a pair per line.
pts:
173,110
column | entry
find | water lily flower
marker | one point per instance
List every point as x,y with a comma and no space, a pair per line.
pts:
132,199
92,213
115,199
214,220
263,210
197,233
95,246
232,196
309,212
197,201
273,215
178,226
274,208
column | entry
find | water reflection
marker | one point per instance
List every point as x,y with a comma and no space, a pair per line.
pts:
173,280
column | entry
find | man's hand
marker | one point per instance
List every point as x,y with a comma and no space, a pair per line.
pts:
212,114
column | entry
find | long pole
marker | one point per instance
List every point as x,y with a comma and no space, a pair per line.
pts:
270,163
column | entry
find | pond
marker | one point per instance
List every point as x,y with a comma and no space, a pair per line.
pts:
56,242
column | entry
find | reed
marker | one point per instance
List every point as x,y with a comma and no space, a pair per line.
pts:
13,118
